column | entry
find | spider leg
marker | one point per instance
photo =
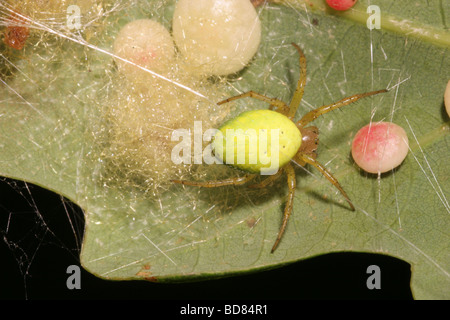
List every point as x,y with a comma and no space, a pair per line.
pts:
327,174
273,102
289,203
298,94
284,110
218,183
266,181
314,114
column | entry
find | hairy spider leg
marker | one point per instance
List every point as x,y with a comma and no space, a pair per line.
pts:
273,101
267,181
284,110
327,174
314,114
281,107
291,181
218,183
298,94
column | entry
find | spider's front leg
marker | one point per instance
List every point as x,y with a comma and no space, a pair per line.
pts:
327,174
314,114
300,89
280,105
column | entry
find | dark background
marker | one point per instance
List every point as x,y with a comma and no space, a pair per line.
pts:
35,253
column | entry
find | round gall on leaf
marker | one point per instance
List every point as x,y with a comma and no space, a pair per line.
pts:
447,98
341,5
380,147
216,37
146,43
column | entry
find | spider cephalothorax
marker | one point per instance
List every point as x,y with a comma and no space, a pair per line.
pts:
297,143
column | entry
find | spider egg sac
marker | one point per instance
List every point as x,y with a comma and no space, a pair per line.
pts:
146,43
341,5
447,98
380,147
216,37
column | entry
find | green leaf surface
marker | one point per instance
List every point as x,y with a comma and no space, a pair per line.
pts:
50,99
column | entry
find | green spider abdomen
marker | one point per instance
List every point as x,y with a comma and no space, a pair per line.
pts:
259,141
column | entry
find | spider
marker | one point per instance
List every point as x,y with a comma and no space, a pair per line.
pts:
304,139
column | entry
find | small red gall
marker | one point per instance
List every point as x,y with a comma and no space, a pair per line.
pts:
380,147
15,35
341,5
